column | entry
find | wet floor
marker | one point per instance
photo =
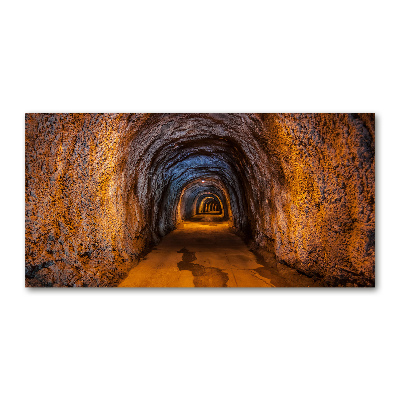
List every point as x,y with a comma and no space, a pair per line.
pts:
205,253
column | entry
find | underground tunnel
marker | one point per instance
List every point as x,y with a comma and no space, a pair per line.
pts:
221,200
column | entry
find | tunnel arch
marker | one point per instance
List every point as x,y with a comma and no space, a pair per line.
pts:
192,153
209,205
202,198
188,202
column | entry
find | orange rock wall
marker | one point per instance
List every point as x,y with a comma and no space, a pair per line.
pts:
322,213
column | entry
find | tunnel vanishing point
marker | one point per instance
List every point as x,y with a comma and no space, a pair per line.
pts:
199,200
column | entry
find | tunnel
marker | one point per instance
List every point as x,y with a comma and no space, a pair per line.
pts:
104,191
208,204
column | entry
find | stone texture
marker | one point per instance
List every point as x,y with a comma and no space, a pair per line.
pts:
102,188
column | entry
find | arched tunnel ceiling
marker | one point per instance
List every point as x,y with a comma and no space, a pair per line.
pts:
191,193
207,198
101,188
179,148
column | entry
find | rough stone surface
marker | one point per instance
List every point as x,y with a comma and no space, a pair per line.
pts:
102,188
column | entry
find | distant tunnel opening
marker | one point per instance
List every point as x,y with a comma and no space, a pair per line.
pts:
204,197
209,205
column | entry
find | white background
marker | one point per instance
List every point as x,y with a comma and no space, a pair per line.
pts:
165,56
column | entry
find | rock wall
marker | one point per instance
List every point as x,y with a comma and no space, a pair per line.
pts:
102,188
321,214
81,227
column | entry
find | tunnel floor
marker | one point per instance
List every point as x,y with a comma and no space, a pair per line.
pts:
204,252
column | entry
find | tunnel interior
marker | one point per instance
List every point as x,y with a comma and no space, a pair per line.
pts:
208,204
198,197
102,189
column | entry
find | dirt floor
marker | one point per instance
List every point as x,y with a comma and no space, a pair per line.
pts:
204,252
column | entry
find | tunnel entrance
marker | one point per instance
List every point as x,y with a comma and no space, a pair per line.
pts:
209,206
205,197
